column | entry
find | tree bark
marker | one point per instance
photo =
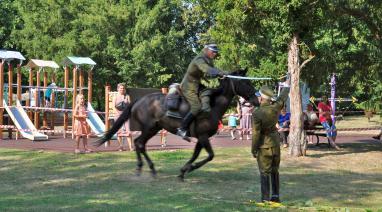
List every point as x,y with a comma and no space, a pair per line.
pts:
297,136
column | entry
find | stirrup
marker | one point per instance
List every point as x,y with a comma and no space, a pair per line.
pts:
183,133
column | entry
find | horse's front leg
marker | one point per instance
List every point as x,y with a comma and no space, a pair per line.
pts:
188,165
207,145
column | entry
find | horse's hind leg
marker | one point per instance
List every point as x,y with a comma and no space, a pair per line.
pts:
140,146
139,157
188,165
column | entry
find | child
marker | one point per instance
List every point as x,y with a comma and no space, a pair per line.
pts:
232,124
48,94
81,127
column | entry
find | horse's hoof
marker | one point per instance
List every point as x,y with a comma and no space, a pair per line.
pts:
181,178
138,172
154,173
186,168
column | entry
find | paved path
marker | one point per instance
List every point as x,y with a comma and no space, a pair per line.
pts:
59,144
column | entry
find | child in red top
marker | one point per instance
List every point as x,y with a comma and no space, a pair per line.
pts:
325,111
81,127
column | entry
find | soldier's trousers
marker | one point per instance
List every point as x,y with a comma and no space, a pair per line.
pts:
268,160
196,103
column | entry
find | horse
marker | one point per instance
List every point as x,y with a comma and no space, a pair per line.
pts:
149,112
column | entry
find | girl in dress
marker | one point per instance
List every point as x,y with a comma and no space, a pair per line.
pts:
245,110
81,127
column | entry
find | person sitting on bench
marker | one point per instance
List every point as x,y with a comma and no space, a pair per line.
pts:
283,126
325,111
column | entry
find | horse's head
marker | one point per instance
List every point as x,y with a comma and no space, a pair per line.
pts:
243,87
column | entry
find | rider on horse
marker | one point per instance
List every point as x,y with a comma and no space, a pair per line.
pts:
196,94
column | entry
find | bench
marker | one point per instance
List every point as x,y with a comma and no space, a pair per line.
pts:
317,132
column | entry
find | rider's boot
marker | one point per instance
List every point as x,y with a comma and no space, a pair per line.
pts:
182,130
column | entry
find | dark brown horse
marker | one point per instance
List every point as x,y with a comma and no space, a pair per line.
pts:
150,114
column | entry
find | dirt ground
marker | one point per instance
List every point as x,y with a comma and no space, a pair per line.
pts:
59,144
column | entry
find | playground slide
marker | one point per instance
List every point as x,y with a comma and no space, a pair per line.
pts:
23,123
95,122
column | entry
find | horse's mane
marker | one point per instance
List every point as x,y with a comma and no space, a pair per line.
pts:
223,83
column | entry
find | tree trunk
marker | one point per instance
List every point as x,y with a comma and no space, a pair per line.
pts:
297,136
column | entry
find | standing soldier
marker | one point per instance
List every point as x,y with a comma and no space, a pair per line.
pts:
266,141
199,69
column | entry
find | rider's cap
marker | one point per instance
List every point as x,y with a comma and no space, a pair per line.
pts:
212,46
266,92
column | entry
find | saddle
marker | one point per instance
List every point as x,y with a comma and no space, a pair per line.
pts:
173,100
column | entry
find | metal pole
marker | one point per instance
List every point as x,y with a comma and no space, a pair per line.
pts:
333,96
1,96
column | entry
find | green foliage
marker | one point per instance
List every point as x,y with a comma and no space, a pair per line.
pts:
150,43
374,102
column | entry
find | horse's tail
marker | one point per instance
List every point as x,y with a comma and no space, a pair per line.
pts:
117,124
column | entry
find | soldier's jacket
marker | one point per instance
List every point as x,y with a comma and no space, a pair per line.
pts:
197,71
264,132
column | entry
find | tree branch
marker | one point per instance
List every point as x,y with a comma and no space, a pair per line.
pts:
305,62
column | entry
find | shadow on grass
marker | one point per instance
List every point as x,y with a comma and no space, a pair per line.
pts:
361,146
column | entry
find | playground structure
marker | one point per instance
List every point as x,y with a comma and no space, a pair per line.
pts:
16,112
40,66
78,64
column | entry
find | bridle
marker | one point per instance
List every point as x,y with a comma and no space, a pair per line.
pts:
234,90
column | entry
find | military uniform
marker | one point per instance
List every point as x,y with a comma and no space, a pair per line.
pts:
200,68
266,142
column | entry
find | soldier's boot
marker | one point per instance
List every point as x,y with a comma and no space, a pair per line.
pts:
264,180
275,180
182,130
205,101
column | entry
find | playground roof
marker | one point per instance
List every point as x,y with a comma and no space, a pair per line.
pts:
78,61
42,63
11,55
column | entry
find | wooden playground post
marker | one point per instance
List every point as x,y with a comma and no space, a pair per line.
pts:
90,86
1,96
10,84
28,102
52,103
19,82
107,115
66,86
18,88
10,95
45,119
74,94
81,79
37,100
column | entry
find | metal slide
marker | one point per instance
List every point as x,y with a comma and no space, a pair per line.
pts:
23,123
95,122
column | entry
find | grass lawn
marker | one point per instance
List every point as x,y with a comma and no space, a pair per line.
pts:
325,180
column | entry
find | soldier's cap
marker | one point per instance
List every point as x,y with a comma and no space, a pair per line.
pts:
266,92
212,46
